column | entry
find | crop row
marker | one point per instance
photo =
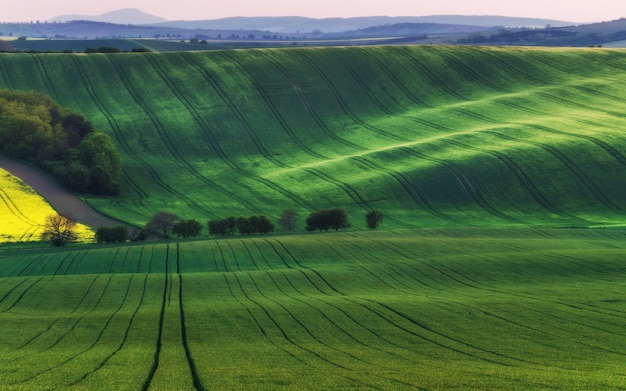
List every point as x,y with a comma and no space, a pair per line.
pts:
262,131
349,310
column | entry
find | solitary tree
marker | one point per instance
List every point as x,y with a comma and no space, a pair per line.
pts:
288,220
161,223
373,219
59,230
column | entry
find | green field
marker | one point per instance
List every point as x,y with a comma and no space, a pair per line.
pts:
431,136
499,265
406,309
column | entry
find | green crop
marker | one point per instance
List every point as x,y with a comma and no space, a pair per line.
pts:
430,136
433,309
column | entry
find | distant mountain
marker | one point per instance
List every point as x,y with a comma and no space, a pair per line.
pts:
122,16
298,24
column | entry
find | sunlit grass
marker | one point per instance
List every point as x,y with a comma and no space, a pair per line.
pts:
24,212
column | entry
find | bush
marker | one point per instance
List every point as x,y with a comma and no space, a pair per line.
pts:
325,219
187,228
117,234
373,219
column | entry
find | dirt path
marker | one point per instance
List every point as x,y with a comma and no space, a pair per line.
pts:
62,201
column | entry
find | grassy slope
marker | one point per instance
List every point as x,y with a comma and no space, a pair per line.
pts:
432,136
433,309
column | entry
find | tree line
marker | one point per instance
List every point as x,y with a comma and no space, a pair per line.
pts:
63,143
59,230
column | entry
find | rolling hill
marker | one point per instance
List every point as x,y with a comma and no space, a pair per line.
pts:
431,136
469,142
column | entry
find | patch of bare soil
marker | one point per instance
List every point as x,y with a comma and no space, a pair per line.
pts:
64,202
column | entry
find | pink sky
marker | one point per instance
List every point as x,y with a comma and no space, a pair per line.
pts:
568,10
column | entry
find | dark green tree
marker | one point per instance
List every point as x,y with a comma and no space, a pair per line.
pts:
187,229
373,219
161,223
326,219
288,220
117,234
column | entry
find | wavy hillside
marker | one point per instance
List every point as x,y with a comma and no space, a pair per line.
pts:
431,136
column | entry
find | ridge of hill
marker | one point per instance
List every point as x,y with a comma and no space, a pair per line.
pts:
294,24
121,16
431,136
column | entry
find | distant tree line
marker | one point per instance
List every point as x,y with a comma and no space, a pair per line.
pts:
63,143
164,224
244,225
543,37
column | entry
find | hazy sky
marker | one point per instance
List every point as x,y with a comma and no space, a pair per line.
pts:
568,10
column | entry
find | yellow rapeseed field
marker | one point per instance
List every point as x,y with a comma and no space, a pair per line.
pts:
23,212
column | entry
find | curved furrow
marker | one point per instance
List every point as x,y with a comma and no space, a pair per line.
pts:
124,337
450,339
470,114
28,265
356,252
382,65
256,244
282,331
258,323
347,334
280,256
233,255
525,181
364,86
224,96
15,210
58,268
21,296
561,100
615,153
267,99
569,164
589,90
535,54
197,381
252,258
76,321
305,102
51,325
219,248
207,135
80,318
81,254
90,347
343,104
8,81
301,266
477,285
224,157
449,345
119,134
412,189
475,195
406,52
514,69
358,323
44,76
349,190
161,130
475,76
308,330
159,342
